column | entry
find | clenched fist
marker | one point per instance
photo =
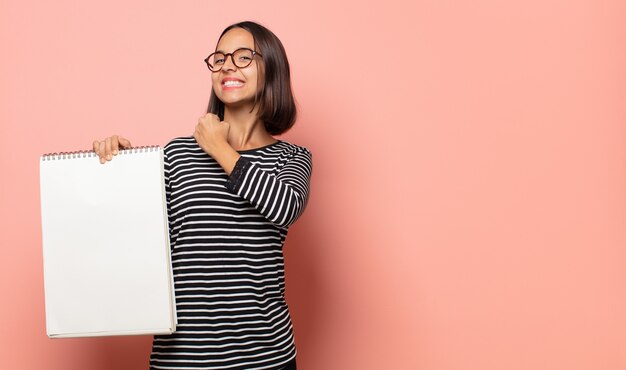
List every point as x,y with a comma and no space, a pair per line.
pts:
211,133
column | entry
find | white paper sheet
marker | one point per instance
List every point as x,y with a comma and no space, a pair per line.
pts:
107,265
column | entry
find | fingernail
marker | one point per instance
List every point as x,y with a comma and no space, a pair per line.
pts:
109,156
115,152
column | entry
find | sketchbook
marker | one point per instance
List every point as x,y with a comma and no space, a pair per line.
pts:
106,252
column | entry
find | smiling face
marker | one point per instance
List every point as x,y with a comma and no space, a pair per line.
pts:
232,85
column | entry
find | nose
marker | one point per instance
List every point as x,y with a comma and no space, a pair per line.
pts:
229,65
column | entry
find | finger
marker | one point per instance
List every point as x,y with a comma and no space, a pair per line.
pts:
109,156
215,118
114,144
101,153
96,146
197,136
210,118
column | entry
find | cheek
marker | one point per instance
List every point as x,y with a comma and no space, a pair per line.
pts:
215,80
255,82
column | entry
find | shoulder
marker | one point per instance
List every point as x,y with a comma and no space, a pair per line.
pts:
292,150
181,142
294,157
182,145
182,149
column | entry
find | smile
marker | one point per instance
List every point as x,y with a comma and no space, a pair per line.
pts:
232,83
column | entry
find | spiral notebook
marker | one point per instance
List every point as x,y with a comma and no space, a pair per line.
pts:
106,252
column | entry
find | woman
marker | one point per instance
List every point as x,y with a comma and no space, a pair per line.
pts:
233,190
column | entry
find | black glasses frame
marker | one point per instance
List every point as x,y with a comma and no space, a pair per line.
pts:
232,57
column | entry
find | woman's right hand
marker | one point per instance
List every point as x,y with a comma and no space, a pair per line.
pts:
109,147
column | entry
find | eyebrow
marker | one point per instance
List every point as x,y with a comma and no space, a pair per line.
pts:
241,47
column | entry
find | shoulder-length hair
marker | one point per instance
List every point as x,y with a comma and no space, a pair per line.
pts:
277,107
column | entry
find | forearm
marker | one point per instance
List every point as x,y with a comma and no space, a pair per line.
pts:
226,156
281,199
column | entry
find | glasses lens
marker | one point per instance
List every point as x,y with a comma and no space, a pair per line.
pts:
216,61
243,57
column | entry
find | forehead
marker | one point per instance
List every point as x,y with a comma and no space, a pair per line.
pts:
234,39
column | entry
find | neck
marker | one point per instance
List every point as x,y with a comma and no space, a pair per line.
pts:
247,131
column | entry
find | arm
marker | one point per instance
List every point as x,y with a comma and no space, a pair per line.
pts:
280,198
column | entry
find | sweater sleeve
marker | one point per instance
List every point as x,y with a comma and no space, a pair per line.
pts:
168,196
281,197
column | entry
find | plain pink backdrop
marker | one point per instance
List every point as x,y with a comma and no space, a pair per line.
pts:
468,204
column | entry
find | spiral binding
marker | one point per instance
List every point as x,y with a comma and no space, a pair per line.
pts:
91,153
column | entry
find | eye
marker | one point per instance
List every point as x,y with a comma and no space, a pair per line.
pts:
218,59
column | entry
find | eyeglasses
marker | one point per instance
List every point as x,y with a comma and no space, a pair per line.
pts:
241,59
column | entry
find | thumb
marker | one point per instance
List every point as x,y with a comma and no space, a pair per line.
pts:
124,142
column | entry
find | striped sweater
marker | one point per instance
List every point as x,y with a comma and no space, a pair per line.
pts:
227,234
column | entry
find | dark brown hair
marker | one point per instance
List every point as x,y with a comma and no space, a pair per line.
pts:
277,107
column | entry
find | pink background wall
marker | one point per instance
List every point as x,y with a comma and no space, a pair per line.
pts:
469,192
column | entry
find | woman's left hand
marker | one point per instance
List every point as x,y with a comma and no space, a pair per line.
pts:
211,133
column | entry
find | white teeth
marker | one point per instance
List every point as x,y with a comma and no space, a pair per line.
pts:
233,83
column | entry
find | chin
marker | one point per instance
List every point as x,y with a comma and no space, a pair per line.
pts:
236,102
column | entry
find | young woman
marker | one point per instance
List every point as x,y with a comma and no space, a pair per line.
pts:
233,190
